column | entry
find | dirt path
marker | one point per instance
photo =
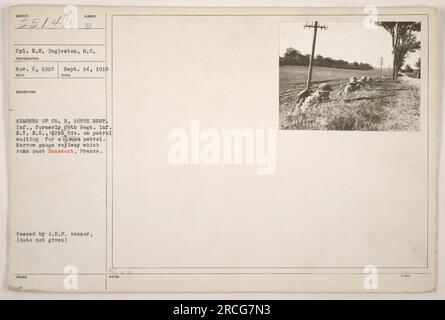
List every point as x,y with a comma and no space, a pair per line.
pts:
411,81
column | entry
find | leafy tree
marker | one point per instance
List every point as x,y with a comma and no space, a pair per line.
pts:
404,41
291,53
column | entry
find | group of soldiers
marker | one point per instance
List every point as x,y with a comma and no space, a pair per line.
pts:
354,84
322,93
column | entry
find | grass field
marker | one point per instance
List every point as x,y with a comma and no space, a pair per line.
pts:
382,105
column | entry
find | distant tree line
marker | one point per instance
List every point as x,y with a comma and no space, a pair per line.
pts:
294,57
410,71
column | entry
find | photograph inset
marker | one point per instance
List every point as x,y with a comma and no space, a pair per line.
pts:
350,76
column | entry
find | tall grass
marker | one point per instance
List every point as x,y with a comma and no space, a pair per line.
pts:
380,105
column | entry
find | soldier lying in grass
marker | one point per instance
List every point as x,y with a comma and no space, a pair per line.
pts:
351,86
321,94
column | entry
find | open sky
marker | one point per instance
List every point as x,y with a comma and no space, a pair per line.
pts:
349,41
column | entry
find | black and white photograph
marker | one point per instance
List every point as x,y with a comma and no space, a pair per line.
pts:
350,76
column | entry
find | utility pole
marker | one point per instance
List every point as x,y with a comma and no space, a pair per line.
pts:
316,27
381,67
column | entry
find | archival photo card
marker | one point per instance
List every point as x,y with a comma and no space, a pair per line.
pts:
158,149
